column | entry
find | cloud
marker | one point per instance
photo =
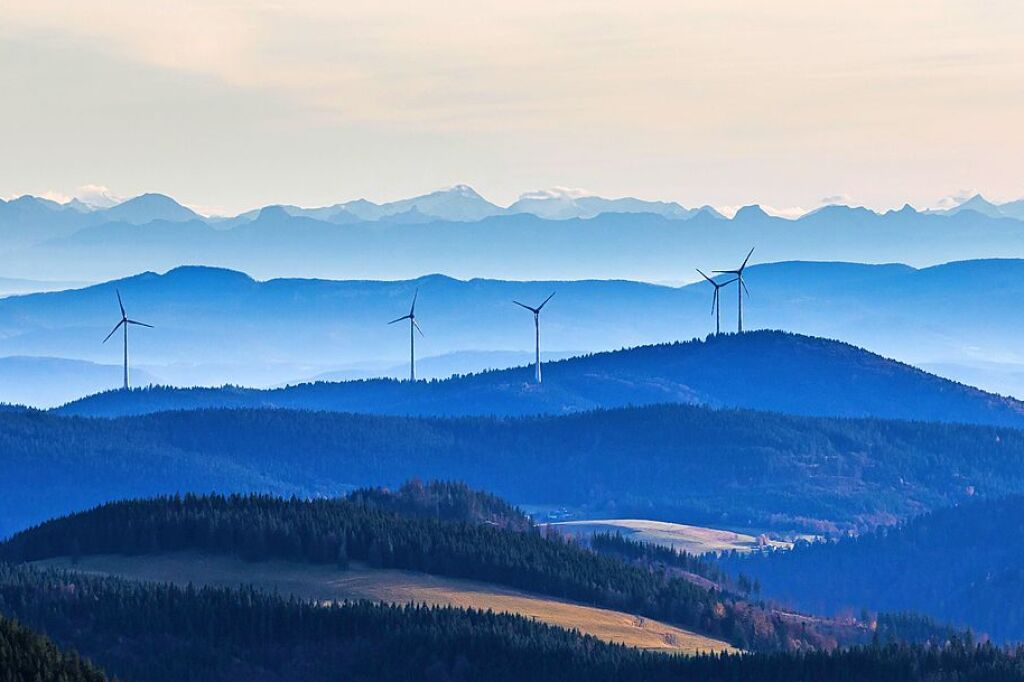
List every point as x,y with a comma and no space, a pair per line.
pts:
789,212
97,196
836,200
54,195
954,200
556,193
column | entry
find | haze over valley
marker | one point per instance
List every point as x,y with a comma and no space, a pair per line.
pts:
216,326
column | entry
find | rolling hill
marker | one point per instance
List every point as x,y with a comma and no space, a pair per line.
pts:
327,584
671,462
342,533
761,370
962,564
164,633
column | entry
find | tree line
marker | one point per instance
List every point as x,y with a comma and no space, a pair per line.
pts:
26,656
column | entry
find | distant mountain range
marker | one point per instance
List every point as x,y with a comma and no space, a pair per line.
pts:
459,232
961,320
979,204
763,370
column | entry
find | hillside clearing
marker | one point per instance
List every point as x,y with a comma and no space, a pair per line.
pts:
326,584
678,536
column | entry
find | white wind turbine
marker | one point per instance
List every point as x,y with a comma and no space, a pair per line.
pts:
413,328
124,324
536,327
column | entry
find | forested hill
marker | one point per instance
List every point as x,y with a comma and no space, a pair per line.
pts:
765,370
163,633
28,657
258,528
670,462
962,564
444,501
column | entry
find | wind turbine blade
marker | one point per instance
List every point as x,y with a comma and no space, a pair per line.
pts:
120,304
532,310
705,276
412,310
725,284
714,301
116,327
746,259
141,324
414,324
744,285
541,306
399,319
725,272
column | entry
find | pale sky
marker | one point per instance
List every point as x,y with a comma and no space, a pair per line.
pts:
231,105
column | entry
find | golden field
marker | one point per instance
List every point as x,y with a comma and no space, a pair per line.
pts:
328,584
692,539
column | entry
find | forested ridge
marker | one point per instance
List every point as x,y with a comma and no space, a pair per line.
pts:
445,501
336,531
674,462
617,544
963,565
763,370
27,657
163,633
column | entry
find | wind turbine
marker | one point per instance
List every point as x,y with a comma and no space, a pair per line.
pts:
536,327
413,328
124,323
741,288
716,302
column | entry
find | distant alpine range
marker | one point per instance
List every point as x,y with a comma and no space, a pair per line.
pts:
543,235
460,203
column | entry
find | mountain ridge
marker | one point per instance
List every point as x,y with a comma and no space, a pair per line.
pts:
763,370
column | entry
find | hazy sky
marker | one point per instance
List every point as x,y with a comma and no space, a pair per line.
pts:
230,105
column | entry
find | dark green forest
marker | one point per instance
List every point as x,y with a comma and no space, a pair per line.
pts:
963,565
336,531
162,633
445,501
28,657
616,544
690,464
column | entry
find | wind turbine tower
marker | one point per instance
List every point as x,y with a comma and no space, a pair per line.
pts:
413,328
716,301
123,324
536,328
741,288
